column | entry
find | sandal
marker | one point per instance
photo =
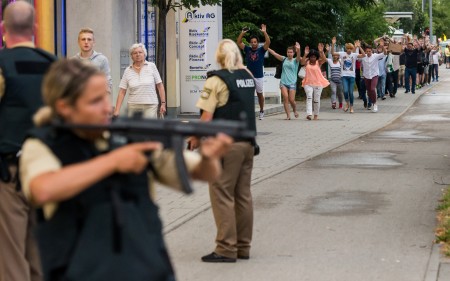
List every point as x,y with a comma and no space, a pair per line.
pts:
296,114
333,105
308,117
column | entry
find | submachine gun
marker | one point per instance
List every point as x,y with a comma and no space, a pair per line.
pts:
170,132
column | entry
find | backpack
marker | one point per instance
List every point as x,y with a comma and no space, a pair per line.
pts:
279,70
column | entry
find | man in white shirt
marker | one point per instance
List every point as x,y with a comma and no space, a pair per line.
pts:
436,57
371,72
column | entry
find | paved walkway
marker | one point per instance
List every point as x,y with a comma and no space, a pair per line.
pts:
287,143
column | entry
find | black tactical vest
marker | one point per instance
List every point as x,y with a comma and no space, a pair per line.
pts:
23,69
110,231
241,100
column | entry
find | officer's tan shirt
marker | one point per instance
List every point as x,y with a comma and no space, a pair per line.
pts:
214,94
38,159
2,78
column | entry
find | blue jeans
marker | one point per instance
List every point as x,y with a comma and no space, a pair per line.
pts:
348,83
362,89
413,73
435,72
381,86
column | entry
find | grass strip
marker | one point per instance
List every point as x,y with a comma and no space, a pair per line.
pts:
443,228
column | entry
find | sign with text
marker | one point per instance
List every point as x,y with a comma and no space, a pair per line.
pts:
200,33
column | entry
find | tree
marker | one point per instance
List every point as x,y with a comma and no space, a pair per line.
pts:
441,17
164,6
371,19
306,21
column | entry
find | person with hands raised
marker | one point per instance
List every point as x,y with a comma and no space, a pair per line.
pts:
288,82
370,72
314,82
348,58
254,58
94,202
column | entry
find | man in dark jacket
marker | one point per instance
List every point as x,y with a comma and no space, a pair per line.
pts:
411,54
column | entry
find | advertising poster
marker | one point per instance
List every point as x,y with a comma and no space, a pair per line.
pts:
200,32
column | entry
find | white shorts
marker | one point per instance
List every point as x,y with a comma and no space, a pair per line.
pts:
259,85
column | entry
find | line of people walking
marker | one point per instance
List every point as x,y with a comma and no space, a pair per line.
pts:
378,70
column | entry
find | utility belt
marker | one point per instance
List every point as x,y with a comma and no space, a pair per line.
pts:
252,142
7,160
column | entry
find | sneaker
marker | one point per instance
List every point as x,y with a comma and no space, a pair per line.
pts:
340,105
407,91
383,98
369,107
375,108
261,115
333,105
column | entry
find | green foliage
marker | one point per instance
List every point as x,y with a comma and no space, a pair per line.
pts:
371,19
308,22
443,229
167,5
421,20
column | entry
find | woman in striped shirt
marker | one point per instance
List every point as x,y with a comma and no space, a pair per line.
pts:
335,80
141,80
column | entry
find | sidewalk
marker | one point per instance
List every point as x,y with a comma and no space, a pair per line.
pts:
285,144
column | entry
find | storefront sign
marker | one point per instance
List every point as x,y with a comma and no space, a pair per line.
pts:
200,33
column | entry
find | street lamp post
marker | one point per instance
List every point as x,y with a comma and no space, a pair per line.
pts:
431,19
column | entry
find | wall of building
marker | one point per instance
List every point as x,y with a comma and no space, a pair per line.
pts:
114,24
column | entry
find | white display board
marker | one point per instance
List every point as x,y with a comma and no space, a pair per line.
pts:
271,85
200,32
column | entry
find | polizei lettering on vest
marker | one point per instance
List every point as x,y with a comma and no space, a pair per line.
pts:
245,83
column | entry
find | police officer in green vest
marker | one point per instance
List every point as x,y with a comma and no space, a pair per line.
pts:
229,94
22,68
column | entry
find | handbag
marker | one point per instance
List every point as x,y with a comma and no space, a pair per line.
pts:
302,72
279,70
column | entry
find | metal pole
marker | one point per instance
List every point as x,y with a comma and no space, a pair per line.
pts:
139,21
431,21
423,5
146,27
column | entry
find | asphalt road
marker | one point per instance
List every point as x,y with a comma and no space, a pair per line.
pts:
362,211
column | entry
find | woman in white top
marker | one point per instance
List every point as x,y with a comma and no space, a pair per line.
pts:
348,59
141,80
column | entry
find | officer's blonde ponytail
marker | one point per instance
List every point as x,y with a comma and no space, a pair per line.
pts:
228,55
